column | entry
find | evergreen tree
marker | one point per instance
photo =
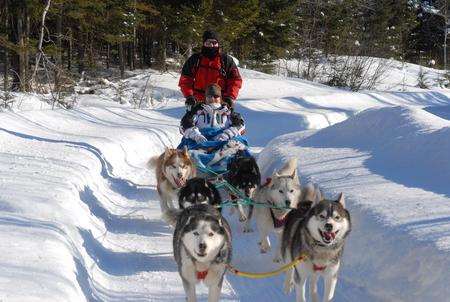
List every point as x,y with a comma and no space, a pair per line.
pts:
273,34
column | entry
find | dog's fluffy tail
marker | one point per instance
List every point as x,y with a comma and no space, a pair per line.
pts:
171,216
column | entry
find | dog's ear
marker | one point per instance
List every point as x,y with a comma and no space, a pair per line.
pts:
167,153
319,195
309,193
267,182
313,194
341,199
185,152
294,174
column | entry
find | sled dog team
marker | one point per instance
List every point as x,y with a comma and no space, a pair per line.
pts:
304,221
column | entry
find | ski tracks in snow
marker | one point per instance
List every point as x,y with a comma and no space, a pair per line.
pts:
109,225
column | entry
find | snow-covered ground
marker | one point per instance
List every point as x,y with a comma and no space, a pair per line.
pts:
79,213
388,74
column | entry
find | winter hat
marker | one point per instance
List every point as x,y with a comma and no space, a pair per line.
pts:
209,34
212,90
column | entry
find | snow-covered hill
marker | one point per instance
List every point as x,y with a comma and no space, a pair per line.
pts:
80,220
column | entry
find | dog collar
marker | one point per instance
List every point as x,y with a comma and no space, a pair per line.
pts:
268,180
318,268
202,275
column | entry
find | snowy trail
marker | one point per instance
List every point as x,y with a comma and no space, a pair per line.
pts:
107,216
80,218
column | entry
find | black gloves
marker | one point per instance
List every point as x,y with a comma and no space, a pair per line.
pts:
229,102
236,119
190,102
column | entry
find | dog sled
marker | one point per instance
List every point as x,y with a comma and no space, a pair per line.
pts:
212,158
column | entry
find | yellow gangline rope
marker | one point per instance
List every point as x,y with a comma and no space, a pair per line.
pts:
284,268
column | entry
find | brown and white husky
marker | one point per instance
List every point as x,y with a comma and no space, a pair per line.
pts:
173,168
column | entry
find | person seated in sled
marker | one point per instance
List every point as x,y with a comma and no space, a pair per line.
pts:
218,121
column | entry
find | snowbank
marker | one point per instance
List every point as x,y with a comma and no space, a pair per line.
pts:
393,164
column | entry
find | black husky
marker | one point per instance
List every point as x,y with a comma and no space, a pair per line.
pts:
243,174
197,191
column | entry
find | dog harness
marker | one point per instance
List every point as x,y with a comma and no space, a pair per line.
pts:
317,268
202,275
277,223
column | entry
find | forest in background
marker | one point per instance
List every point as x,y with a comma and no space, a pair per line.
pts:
56,41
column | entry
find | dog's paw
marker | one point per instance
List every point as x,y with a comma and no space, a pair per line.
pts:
288,286
263,247
248,229
277,259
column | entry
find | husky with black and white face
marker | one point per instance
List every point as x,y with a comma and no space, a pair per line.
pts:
319,234
202,249
279,194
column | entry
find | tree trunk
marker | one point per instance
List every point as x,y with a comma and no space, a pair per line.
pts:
129,55
17,37
69,51
108,55
5,71
26,54
40,52
121,61
80,52
189,48
6,53
133,48
161,57
59,50
142,46
59,36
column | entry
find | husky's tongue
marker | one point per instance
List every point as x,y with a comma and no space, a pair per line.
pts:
179,182
329,235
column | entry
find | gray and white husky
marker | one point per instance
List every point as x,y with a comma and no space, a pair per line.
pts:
318,233
282,190
202,249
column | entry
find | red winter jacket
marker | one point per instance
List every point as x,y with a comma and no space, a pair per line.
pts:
199,71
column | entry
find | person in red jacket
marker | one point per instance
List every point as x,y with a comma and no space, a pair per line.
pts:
210,66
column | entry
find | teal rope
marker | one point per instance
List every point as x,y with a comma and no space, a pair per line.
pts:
242,200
